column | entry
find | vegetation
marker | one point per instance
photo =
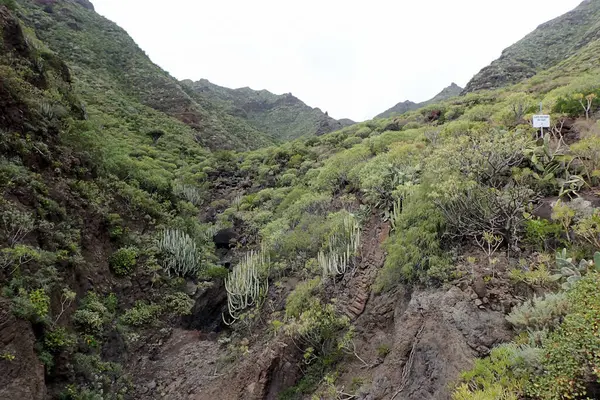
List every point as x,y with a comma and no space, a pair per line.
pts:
119,209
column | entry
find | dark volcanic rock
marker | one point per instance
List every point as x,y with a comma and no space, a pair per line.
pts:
21,375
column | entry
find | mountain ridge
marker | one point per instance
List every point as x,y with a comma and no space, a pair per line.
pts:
547,45
403,107
283,116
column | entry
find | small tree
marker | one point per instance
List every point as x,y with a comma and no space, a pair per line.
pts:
586,102
519,104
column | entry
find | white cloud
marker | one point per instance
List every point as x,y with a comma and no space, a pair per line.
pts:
353,59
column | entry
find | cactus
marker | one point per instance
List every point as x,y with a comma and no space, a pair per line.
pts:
189,193
247,284
180,255
393,215
341,248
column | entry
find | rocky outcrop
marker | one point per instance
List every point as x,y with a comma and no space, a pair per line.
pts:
21,372
432,335
86,4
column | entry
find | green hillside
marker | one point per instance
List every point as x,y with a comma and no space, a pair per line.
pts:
155,245
114,76
284,117
551,43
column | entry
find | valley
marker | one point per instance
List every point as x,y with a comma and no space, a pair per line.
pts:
166,239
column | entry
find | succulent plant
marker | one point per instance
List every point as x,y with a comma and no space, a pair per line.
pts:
571,271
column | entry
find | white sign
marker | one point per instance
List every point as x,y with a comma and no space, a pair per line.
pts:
541,121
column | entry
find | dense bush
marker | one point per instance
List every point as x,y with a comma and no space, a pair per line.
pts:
414,249
571,358
540,313
123,261
142,314
93,315
501,376
302,298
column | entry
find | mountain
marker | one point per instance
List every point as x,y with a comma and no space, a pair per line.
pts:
112,73
551,43
156,245
283,117
406,106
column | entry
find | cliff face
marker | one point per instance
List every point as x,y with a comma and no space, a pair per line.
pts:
550,43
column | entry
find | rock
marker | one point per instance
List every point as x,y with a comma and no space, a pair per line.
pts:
190,288
86,4
486,300
444,330
151,385
22,377
479,287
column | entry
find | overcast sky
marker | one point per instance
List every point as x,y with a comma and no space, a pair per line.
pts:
353,59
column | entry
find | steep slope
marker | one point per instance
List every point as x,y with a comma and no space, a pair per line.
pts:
113,75
406,106
543,48
374,262
284,116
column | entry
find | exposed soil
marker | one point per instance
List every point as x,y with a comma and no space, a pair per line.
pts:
409,344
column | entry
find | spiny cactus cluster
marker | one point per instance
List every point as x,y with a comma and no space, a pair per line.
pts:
180,255
341,249
572,272
189,193
247,284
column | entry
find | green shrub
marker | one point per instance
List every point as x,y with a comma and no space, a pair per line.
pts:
542,233
178,304
13,258
15,224
540,313
414,250
321,331
571,358
88,321
123,261
58,339
302,298
537,274
216,272
116,227
92,315
10,4
501,376
33,305
142,314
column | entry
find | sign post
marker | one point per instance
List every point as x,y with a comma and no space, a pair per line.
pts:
541,121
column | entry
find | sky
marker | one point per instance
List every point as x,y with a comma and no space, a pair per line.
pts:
353,59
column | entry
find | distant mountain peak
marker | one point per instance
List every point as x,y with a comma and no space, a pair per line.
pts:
406,106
